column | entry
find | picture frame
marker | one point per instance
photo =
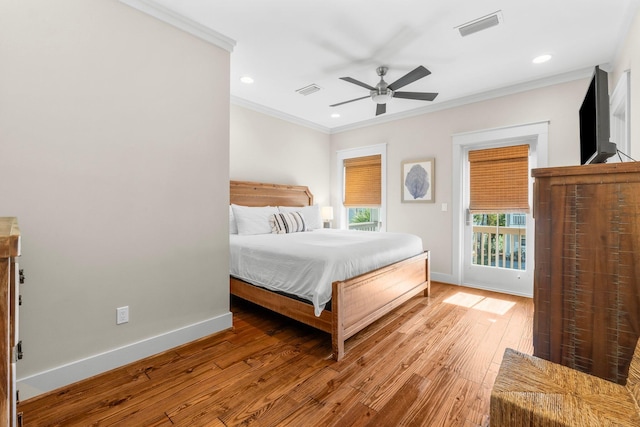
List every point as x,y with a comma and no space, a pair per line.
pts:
418,181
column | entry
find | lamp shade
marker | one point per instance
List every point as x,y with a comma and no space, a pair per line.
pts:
327,213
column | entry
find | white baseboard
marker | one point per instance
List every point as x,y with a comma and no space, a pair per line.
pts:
61,376
443,278
450,279
497,290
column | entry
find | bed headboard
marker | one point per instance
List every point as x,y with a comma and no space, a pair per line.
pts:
248,193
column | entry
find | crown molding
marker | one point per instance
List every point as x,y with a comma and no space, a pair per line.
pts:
278,114
150,7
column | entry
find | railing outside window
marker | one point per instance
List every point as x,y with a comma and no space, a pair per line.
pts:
499,240
365,226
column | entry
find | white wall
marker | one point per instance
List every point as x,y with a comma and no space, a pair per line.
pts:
430,135
268,149
629,59
114,142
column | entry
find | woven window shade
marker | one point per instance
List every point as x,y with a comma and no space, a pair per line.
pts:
363,181
499,179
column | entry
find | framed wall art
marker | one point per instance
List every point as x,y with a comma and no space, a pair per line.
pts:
418,181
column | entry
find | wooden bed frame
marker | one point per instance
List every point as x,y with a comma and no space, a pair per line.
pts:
356,302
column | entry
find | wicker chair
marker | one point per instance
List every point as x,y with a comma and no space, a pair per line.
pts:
530,391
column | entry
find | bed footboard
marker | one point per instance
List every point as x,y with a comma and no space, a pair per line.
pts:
359,301
355,302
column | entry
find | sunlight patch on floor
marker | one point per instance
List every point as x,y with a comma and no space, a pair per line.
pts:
464,300
491,305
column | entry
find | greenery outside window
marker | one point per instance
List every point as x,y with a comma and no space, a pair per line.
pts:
364,219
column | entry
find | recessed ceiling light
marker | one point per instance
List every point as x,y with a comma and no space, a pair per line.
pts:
542,58
335,115
246,79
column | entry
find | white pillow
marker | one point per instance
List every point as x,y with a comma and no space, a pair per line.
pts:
233,226
253,220
311,215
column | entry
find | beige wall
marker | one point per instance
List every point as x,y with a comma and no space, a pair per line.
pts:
114,140
430,135
268,149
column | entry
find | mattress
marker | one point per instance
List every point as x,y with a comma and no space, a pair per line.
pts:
306,264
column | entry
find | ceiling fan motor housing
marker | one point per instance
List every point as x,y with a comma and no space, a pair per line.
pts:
382,94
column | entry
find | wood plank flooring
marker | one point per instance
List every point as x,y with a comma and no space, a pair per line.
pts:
431,362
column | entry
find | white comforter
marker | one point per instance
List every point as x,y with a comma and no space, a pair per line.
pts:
305,264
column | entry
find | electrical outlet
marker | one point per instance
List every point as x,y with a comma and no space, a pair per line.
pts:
122,315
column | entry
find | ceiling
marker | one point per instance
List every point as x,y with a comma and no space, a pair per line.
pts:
285,45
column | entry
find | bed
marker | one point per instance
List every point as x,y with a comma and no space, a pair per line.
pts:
355,302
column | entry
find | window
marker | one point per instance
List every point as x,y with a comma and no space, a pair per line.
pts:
364,219
499,240
363,192
361,180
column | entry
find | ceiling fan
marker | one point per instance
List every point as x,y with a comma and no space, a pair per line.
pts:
383,92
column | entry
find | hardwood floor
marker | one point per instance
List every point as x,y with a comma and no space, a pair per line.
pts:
431,362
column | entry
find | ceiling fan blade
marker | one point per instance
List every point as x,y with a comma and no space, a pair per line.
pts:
381,109
357,82
421,96
410,77
351,100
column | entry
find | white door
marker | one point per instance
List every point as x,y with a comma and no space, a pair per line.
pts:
496,250
502,277
465,271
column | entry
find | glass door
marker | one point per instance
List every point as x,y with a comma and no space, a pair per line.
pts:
496,252
499,240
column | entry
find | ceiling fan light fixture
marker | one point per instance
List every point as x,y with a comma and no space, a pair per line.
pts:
381,96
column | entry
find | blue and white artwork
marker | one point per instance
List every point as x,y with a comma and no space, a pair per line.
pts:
418,181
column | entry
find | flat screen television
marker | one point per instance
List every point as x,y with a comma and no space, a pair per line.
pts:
595,146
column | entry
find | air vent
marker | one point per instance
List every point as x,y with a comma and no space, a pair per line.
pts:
480,24
308,90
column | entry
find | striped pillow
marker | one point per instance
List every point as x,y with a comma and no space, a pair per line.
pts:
287,222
